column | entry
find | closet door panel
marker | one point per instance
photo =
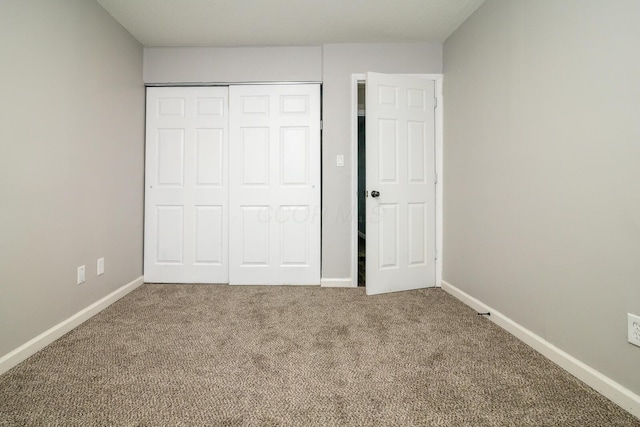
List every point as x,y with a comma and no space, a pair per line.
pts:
274,184
186,187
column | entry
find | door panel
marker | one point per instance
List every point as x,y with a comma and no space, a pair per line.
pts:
400,166
170,227
209,157
388,157
294,236
418,226
186,195
294,156
254,236
274,184
208,234
170,157
417,152
388,235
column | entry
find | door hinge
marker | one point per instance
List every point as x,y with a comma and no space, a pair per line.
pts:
320,124
436,254
435,178
435,102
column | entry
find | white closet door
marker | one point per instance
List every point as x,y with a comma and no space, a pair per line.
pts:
186,197
400,183
274,177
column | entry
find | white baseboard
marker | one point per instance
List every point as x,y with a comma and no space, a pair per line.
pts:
29,348
604,385
337,283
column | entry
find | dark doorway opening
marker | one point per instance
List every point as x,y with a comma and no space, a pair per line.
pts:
362,204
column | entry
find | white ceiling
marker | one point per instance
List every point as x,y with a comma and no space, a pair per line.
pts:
288,22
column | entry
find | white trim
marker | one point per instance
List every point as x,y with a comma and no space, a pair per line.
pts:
338,283
207,84
604,385
439,155
29,348
439,147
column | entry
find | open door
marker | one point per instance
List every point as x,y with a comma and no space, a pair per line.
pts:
400,175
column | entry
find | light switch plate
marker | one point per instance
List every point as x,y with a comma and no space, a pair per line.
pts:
633,329
100,267
81,274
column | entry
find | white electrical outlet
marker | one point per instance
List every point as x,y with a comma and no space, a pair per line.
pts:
100,266
633,329
81,274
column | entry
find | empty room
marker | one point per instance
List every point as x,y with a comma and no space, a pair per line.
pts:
318,213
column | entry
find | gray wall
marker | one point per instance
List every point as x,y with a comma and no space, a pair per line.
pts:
232,64
71,161
333,65
542,197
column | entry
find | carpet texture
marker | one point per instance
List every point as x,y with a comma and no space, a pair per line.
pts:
294,356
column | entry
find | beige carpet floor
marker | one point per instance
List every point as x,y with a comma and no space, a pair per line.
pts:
169,355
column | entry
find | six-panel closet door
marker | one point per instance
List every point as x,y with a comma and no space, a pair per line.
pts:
186,185
233,185
274,177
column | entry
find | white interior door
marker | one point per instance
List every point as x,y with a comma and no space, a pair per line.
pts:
400,147
274,175
186,195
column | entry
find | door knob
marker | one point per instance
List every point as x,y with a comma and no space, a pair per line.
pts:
375,193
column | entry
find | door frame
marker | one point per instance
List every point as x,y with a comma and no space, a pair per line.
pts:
439,144
226,176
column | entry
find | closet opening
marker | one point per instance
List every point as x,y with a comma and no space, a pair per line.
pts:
362,173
